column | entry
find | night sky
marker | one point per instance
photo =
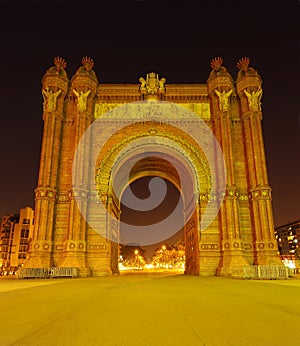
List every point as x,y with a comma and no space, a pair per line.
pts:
127,39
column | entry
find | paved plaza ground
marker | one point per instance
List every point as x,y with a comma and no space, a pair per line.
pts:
149,309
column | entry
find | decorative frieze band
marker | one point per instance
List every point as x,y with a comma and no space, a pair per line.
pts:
248,82
55,82
268,245
219,82
234,193
45,193
261,192
41,245
209,246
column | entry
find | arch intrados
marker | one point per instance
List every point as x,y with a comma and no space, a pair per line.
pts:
187,187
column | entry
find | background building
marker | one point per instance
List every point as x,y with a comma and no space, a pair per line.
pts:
288,239
16,232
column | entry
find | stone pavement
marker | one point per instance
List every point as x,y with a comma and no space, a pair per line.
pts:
149,309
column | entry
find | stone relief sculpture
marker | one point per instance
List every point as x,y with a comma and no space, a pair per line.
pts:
223,99
162,82
143,84
254,98
81,99
50,98
152,84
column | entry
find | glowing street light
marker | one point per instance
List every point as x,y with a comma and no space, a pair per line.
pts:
163,253
136,252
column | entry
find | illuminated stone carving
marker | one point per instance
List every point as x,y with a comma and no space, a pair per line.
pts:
60,63
254,98
223,99
152,85
216,63
81,99
243,64
50,98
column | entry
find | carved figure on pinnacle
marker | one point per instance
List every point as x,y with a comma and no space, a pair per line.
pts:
60,63
216,63
88,63
218,70
243,64
245,70
86,69
58,68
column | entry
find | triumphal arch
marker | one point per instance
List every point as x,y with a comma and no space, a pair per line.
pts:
206,139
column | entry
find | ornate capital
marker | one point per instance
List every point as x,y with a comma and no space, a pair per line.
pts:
261,192
231,192
78,193
45,193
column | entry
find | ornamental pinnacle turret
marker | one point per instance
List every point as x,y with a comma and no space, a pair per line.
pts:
112,126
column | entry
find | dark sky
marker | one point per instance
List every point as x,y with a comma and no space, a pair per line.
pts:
127,39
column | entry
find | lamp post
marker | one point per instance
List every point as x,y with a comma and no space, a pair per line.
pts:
163,253
136,252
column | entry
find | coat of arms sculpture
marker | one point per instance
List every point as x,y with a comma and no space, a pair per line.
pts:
152,85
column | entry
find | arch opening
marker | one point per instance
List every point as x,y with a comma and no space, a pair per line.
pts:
167,254
163,235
